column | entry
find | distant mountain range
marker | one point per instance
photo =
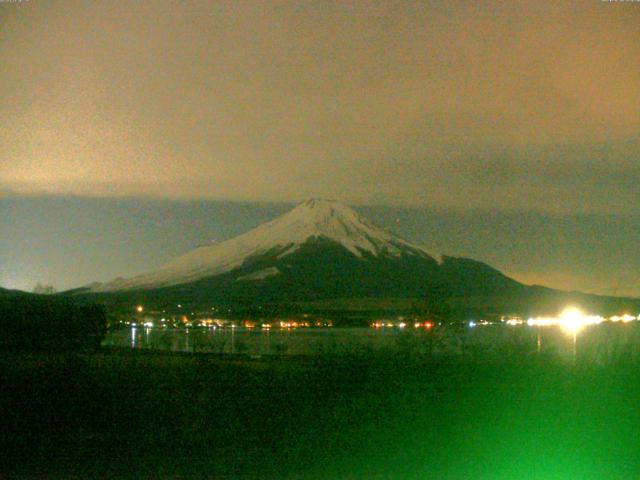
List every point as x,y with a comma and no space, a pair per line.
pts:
323,256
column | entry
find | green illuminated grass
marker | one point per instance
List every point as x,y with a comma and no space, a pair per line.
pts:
133,415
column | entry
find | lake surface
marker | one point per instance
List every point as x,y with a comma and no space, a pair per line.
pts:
599,343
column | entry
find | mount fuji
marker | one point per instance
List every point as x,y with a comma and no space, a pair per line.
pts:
319,250
313,221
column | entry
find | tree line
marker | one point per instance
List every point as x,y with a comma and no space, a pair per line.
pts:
45,323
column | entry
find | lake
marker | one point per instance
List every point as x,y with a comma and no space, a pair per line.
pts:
598,343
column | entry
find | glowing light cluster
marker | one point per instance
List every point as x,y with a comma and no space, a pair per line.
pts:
571,319
473,323
423,325
294,324
543,321
382,324
624,318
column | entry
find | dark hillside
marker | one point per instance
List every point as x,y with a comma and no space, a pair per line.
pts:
44,323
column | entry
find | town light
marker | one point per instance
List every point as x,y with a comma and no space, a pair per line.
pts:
623,318
573,320
542,321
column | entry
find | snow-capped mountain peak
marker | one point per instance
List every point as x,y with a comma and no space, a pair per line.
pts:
327,219
315,218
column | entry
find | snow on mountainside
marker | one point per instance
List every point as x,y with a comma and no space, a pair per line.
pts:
259,275
282,236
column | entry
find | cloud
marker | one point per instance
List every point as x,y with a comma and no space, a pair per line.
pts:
497,104
596,177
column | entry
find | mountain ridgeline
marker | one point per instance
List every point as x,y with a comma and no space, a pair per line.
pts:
319,255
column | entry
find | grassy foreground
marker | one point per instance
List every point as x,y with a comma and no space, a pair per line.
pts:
132,414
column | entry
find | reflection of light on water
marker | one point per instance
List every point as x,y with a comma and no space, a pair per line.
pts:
556,339
572,320
233,338
133,337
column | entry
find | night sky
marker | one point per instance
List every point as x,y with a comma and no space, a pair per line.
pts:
506,131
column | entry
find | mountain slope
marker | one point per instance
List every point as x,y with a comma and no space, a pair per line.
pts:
313,219
324,253
321,250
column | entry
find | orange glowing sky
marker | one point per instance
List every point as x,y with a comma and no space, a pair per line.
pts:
522,104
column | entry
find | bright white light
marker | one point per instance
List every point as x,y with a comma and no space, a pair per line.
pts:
623,318
573,320
402,325
472,323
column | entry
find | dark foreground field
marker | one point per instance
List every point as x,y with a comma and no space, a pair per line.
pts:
145,415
